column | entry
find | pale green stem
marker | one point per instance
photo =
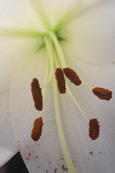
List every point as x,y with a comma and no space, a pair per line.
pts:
56,59
21,33
51,63
76,103
87,85
58,48
67,157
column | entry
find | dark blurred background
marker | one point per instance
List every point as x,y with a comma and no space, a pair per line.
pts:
15,165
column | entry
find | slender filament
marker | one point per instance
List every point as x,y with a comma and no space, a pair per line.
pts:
67,157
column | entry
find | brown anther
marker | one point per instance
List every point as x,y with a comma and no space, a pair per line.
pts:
72,76
101,93
94,129
37,94
60,80
37,129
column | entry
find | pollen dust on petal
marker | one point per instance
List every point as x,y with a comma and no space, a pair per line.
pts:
101,93
29,154
65,169
37,129
55,170
60,80
94,129
37,94
91,152
72,76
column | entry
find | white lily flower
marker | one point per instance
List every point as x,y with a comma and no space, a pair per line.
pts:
43,44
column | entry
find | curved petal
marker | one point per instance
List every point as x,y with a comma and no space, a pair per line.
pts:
91,35
52,11
12,53
45,155
18,18
18,14
8,147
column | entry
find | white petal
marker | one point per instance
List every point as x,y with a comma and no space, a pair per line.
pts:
46,151
18,14
80,145
8,147
91,36
12,53
53,10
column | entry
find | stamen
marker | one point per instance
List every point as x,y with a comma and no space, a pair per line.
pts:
37,129
72,76
37,94
94,129
60,80
101,93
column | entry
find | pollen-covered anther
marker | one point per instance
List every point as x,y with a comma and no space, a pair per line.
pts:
37,129
72,76
60,80
101,93
37,94
94,129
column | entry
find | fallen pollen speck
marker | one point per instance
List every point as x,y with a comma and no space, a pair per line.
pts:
27,158
29,154
91,152
55,170
65,169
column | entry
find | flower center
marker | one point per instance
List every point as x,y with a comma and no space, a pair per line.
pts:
57,70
